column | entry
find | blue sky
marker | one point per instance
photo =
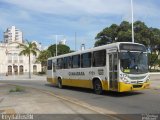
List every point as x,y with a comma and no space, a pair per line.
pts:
41,20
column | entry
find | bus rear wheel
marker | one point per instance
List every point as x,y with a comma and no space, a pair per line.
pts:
60,83
97,87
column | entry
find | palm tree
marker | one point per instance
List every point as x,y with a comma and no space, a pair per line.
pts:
27,50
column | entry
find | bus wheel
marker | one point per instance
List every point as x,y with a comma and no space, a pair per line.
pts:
98,87
60,83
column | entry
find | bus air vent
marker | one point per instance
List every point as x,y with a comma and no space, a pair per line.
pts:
137,86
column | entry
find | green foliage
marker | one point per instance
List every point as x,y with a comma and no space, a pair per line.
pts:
28,49
61,49
150,37
124,36
43,56
42,73
122,33
152,59
17,89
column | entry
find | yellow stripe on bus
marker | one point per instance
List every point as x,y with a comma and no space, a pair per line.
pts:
122,87
78,83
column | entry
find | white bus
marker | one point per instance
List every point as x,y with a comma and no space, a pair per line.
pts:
121,66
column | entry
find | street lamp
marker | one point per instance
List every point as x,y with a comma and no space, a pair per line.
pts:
132,21
56,42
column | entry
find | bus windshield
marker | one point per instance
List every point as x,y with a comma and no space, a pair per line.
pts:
134,62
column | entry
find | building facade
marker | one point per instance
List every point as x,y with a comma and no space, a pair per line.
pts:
13,34
11,63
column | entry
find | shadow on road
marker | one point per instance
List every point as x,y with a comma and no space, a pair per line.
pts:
121,94
105,93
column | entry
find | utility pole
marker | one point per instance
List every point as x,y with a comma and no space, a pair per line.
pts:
132,21
56,45
56,42
75,41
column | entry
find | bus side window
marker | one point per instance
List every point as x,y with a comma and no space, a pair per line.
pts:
49,65
99,58
115,61
60,64
67,61
76,61
86,60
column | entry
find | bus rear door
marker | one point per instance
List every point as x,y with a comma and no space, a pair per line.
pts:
54,64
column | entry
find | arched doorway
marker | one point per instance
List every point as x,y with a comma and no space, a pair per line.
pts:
21,69
34,69
9,70
15,69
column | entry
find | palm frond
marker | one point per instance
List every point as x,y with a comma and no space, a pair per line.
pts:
34,52
29,48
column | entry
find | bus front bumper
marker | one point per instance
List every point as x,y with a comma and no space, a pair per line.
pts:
123,87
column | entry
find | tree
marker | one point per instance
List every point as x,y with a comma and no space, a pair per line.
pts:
154,56
42,57
150,37
122,33
28,49
107,35
61,49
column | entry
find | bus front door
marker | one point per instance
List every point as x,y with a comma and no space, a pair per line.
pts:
113,71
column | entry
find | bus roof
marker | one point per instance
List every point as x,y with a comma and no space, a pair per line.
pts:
112,45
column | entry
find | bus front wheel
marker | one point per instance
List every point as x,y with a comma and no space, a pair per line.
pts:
97,87
60,83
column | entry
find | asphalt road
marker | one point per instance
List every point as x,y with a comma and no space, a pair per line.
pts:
139,102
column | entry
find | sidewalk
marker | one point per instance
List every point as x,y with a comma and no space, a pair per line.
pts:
22,77
32,101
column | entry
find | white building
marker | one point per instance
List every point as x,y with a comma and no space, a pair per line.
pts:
62,42
13,35
10,61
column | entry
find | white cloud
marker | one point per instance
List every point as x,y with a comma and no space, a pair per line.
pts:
86,17
145,8
74,6
88,7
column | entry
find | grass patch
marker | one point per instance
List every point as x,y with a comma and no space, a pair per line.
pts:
17,89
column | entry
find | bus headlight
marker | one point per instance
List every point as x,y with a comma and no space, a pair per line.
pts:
125,80
148,79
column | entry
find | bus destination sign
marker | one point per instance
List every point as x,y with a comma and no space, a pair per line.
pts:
132,47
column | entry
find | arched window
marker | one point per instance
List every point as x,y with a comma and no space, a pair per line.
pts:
15,69
9,70
34,68
21,69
